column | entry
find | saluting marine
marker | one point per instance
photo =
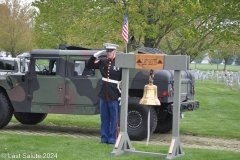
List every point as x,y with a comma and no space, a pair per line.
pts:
108,94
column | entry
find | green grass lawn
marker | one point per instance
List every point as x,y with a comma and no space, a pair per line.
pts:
205,67
218,116
67,148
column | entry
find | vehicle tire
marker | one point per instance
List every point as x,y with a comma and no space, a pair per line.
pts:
30,118
165,121
6,110
138,119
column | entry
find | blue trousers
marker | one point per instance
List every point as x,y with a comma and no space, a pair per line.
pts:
109,121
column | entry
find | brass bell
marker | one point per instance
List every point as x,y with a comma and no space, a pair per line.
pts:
150,96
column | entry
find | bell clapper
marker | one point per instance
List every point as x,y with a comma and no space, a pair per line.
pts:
148,134
150,83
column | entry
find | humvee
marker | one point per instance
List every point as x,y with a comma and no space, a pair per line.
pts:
57,82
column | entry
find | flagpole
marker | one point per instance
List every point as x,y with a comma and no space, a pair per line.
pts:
125,30
126,47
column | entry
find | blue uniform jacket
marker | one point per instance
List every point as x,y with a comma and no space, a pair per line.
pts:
108,91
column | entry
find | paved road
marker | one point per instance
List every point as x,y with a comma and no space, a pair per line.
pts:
187,141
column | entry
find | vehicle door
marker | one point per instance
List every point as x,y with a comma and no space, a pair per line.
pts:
47,85
84,83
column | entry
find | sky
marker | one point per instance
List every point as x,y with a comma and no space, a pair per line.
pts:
28,1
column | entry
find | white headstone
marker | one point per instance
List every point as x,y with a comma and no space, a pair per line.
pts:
222,78
238,84
230,84
216,79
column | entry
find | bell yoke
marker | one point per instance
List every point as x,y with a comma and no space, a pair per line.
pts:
108,94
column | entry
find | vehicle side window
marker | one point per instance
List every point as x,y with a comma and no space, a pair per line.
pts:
7,64
46,67
81,70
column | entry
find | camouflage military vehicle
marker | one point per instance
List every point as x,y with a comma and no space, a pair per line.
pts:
57,82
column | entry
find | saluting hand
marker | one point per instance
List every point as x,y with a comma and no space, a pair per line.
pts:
97,54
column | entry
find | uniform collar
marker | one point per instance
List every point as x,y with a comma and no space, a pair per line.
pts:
112,60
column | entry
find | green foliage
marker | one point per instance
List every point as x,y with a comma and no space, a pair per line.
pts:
176,27
74,22
15,26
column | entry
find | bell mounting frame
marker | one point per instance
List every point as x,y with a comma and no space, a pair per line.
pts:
147,61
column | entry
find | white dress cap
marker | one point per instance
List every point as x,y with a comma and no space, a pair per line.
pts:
110,46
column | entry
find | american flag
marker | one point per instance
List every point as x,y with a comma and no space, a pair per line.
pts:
125,28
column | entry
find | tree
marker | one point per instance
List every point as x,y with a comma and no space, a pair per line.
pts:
207,28
228,51
15,27
177,27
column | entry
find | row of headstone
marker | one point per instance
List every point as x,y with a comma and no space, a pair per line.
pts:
238,84
228,77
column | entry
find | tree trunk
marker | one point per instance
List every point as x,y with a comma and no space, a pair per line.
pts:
149,42
225,64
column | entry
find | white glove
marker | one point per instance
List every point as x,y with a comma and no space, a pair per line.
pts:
97,54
